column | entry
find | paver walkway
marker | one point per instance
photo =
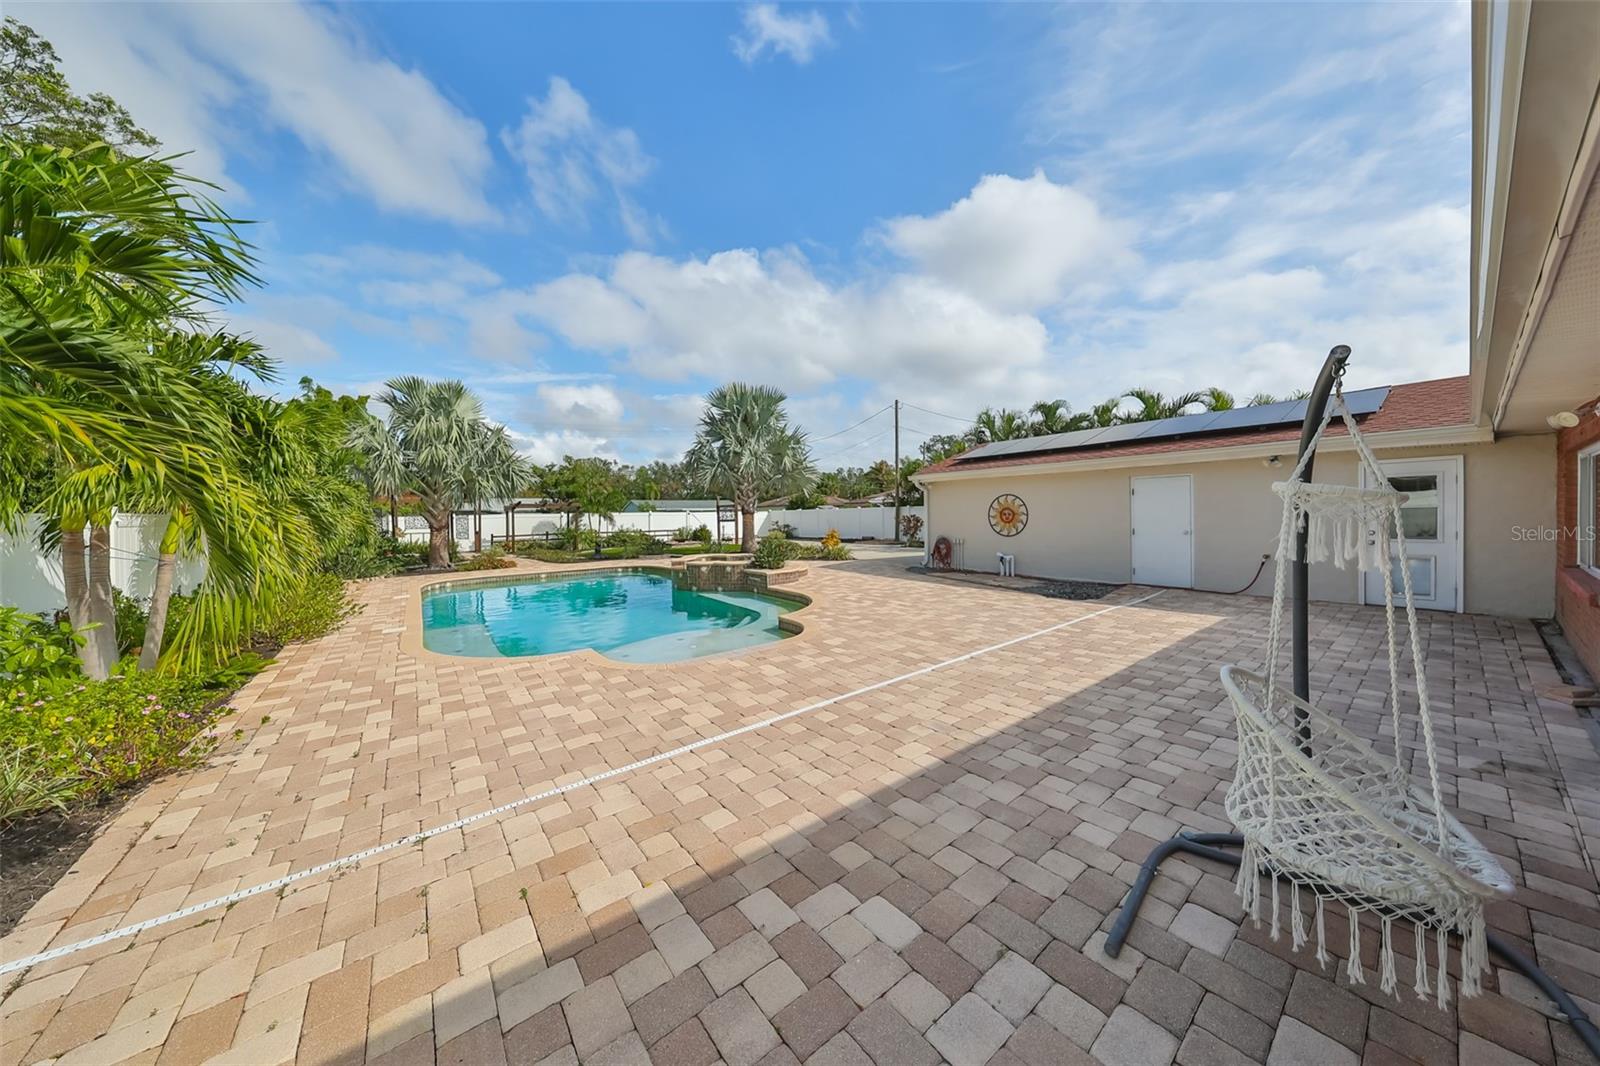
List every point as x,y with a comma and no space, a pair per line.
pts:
918,874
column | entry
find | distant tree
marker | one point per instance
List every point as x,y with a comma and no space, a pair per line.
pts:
746,450
37,106
1261,399
591,487
942,446
880,477
1154,405
1056,416
1002,424
1215,399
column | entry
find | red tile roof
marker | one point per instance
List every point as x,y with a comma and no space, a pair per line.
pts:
1414,405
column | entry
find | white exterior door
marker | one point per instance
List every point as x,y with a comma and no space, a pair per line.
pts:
1431,521
1163,531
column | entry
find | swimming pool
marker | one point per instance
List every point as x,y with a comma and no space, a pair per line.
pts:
633,616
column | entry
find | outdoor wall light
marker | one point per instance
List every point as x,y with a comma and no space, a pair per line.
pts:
1562,420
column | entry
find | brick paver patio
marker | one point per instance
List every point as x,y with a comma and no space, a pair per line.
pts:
918,874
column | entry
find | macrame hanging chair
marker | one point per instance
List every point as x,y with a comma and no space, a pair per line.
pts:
1320,807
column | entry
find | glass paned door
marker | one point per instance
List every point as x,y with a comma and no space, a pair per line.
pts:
1429,521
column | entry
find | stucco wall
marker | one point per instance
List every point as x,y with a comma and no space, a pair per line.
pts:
1078,524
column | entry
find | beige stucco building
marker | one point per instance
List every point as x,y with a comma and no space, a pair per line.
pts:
1197,510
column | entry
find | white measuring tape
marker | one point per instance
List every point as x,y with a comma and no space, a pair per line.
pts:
606,775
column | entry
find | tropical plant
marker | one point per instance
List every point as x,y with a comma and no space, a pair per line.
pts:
1002,424
1152,405
772,551
28,787
36,653
746,449
98,252
495,469
438,429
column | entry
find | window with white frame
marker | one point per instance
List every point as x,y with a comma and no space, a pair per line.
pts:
1588,523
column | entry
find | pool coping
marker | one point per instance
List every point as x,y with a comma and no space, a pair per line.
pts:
411,634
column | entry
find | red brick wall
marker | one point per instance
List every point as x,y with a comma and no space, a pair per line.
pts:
1577,591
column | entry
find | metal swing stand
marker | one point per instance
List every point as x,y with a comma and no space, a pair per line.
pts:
1212,845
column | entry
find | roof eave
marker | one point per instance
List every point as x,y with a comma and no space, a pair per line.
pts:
1428,437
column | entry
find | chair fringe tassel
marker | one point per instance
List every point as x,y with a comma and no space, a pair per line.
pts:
1474,937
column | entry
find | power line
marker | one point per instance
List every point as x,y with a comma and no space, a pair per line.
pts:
847,429
858,444
940,414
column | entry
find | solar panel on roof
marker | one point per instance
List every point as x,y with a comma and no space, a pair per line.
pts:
1283,413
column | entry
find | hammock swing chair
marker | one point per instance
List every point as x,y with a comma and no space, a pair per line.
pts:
1320,811
1324,809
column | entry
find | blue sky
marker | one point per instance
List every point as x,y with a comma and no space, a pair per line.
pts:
595,212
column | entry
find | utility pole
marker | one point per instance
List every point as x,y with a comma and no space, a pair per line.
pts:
897,471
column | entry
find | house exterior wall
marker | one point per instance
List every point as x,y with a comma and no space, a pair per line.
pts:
1577,591
1079,522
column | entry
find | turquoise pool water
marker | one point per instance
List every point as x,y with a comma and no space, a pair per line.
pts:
632,616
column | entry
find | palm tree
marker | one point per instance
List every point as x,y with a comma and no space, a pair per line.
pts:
1001,424
95,247
1052,416
1215,399
1261,399
746,449
439,429
1154,405
495,469
382,464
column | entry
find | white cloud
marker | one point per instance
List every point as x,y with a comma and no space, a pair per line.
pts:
597,405
766,29
1018,244
293,345
573,158
770,316
186,70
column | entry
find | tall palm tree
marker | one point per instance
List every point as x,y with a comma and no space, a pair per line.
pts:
439,428
746,450
1215,399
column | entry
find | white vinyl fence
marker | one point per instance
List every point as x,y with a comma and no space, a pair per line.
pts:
853,523
31,579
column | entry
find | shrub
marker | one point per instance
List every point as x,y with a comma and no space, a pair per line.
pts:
36,654
772,551
316,608
820,551
489,559
635,540
702,534
28,786
109,733
831,539
132,614
786,529
911,526
685,533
